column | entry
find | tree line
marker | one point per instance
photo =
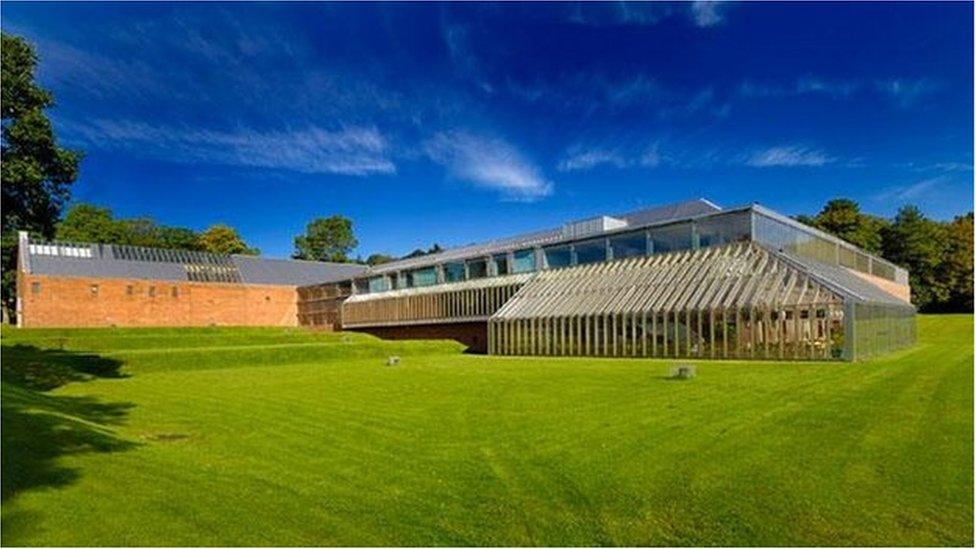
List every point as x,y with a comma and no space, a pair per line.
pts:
937,254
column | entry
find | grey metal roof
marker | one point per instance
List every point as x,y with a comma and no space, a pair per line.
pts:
843,281
293,272
634,220
111,261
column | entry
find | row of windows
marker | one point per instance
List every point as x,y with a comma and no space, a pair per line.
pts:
681,236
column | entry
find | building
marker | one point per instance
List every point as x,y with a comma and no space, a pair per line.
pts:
74,285
683,280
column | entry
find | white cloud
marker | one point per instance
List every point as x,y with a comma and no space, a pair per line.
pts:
912,191
581,160
706,13
906,92
489,163
787,156
349,151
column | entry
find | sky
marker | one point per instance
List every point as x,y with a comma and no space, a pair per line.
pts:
457,123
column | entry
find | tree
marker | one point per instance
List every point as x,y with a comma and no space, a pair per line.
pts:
326,239
958,264
379,259
223,239
435,249
90,223
919,244
843,218
37,174
179,238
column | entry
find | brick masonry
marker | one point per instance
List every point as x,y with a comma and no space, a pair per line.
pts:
48,301
472,334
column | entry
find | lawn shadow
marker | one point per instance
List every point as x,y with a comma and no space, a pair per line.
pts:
37,428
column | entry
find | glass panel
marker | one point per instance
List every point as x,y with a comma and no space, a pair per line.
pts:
501,264
793,239
848,257
524,261
401,280
723,229
558,257
671,238
362,286
477,268
453,272
379,284
424,277
592,251
628,245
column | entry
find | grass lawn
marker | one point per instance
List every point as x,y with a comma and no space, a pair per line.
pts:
285,437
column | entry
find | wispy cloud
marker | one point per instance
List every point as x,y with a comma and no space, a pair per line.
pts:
787,156
807,85
906,92
707,13
490,163
911,191
357,151
580,160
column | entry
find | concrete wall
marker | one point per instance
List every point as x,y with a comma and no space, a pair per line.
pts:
472,334
47,301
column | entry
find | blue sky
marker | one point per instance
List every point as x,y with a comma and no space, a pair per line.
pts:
460,122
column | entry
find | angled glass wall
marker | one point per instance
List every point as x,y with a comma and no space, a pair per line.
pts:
523,261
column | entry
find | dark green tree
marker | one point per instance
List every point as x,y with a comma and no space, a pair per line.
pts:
37,174
91,223
326,239
958,264
379,259
179,238
843,218
920,245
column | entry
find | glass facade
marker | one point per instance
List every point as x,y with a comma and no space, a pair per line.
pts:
671,238
558,256
379,284
477,268
454,272
628,245
423,277
523,261
500,261
591,251
713,230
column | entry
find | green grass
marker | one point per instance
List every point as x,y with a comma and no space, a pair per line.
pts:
285,437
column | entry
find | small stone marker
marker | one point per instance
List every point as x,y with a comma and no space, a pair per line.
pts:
392,360
682,371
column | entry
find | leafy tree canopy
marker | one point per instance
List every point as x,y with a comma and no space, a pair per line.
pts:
223,239
843,218
326,239
379,259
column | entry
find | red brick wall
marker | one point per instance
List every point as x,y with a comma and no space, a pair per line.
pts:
472,334
70,302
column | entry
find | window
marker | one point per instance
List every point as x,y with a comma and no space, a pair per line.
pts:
362,286
129,290
477,268
35,287
592,251
453,272
424,277
671,238
94,290
628,245
403,280
152,291
559,256
174,291
379,284
523,261
722,229
501,264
